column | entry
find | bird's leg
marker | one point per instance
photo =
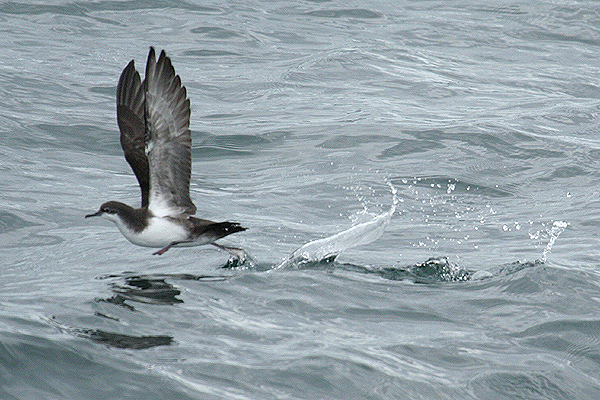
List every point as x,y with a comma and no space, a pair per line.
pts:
238,253
164,249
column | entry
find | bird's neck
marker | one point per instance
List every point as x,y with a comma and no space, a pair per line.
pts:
134,219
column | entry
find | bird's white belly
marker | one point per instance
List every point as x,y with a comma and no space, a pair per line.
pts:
159,232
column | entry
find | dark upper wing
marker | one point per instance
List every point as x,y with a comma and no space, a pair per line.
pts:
169,141
130,117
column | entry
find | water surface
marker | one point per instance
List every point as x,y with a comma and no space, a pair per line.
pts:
419,181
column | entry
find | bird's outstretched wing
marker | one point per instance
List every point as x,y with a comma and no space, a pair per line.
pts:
131,120
168,138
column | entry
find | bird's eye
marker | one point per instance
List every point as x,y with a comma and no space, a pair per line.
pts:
108,210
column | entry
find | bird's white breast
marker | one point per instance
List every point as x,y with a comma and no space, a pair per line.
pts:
159,232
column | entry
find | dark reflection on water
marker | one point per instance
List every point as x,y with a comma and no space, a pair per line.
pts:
149,289
114,339
122,341
143,290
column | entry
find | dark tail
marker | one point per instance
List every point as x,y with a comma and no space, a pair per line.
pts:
222,229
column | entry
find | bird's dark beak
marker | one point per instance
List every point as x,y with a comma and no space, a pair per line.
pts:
96,214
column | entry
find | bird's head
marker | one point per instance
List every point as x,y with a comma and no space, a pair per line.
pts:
109,210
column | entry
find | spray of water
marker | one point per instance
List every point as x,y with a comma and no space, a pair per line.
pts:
558,227
330,247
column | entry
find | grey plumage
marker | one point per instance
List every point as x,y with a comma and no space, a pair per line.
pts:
169,141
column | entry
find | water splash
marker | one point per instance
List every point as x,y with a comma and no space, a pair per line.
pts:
327,249
551,235
558,227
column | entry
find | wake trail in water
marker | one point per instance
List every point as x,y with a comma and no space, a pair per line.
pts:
436,269
330,247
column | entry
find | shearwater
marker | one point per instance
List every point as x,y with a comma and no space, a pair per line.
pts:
154,118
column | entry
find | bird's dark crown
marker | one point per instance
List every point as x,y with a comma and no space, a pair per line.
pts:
114,207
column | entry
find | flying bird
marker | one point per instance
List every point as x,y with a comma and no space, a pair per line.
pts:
154,118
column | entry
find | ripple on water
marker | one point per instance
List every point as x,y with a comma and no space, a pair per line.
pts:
520,385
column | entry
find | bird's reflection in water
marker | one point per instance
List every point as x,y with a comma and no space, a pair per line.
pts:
143,290
149,289
123,341
129,289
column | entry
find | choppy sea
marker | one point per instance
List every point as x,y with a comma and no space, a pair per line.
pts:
420,182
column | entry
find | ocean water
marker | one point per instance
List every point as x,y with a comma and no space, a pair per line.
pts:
419,180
